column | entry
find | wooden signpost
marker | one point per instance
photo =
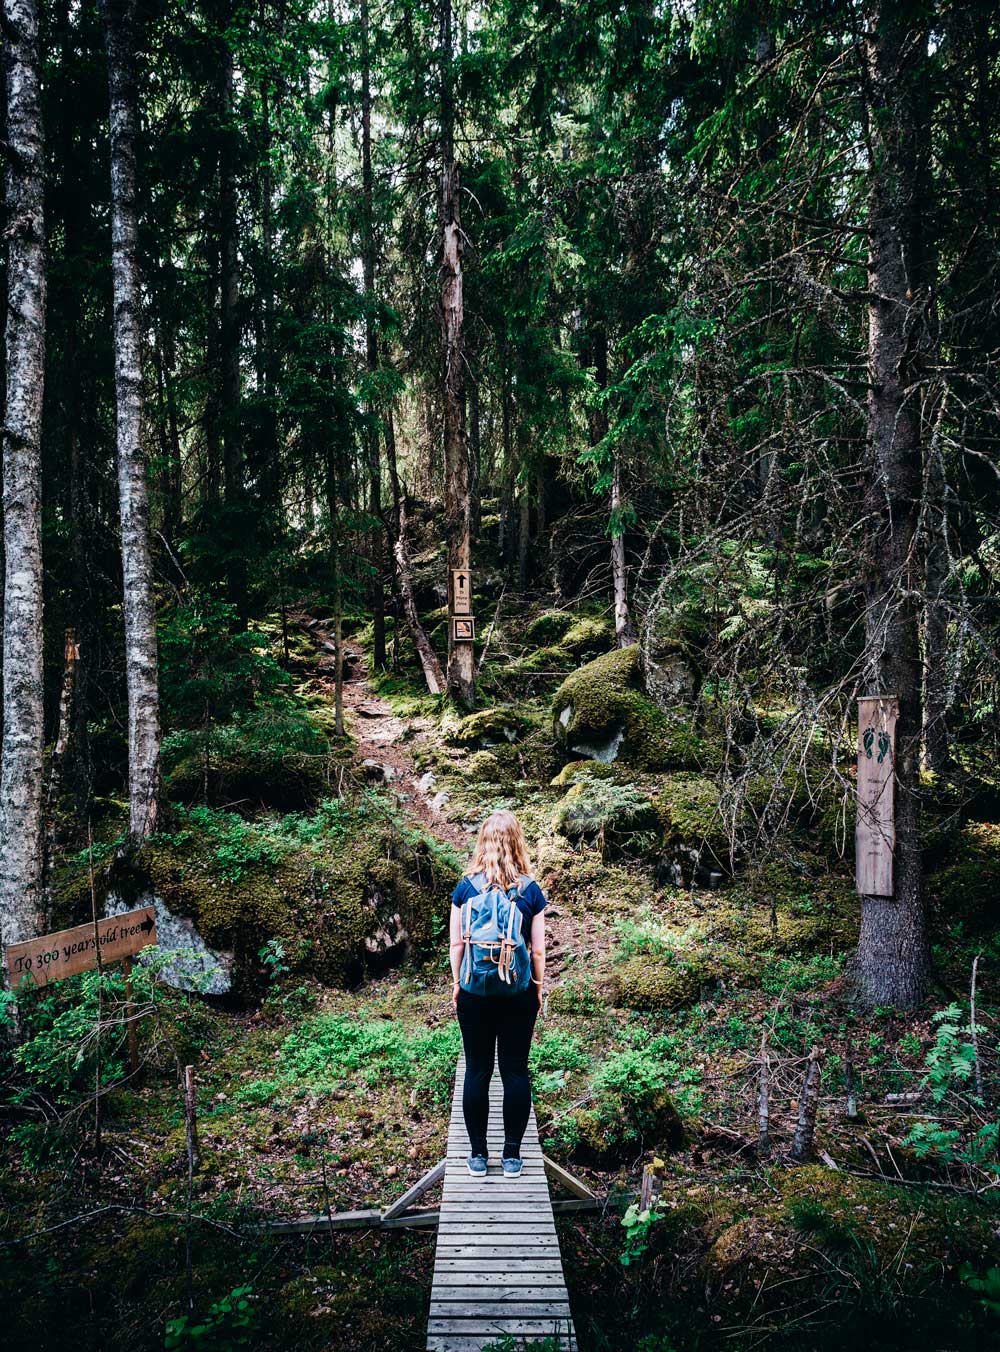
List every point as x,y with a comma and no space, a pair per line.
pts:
875,832
463,626
52,957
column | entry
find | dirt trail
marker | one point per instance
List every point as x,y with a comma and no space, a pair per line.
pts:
384,739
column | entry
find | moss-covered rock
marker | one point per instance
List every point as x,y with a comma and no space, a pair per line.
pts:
851,1234
489,728
646,982
549,627
694,833
588,637
619,1126
608,814
362,903
577,772
666,665
600,712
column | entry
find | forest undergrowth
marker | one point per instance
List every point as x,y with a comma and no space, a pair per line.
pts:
323,1079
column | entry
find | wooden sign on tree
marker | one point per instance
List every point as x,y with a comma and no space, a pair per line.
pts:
875,832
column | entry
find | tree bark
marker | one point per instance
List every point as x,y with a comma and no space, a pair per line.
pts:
137,571
598,427
21,861
461,666
229,342
891,963
433,674
371,345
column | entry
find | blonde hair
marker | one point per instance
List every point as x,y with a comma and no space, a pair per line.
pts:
501,851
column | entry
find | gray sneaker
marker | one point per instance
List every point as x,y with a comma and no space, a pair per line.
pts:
477,1165
512,1167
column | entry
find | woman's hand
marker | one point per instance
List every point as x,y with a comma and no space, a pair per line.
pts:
454,995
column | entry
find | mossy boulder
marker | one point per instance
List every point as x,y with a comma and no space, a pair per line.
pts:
849,1236
667,667
694,834
363,903
588,637
647,982
489,728
600,712
548,628
619,1127
577,772
600,811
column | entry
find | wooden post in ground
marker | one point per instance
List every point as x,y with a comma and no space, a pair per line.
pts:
133,1048
191,1117
652,1185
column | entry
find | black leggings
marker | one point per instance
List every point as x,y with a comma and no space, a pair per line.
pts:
497,1026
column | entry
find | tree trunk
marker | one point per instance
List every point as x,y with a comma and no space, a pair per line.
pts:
428,658
21,861
461,667
371,346
598,426
137,571
891,963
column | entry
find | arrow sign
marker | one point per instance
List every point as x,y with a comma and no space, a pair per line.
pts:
55,956
461,591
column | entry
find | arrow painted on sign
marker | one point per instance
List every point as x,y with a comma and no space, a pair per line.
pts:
147,924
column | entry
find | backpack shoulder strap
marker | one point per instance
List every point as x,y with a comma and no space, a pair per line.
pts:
479,882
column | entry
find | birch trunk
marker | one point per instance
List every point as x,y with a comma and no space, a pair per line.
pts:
371,347
21,864
229,341
461,667
137,572
891,963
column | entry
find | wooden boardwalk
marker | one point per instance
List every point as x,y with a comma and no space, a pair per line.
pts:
497,1268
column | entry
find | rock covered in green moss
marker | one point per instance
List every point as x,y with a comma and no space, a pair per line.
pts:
599,810
619,1126
548,628
870,1246
694,834
666,664
588,637
600,712
649,982
360,902
489,728
576,772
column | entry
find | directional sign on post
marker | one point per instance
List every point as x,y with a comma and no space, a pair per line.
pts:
875,833
54,956
461,591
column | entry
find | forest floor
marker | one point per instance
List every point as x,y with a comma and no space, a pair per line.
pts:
333,1095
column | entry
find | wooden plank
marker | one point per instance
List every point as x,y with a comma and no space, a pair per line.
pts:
497,1266
51,957
875,832
459,1342
569,1181
419,1188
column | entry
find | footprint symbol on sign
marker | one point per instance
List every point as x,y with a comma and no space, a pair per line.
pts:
883,746
868,741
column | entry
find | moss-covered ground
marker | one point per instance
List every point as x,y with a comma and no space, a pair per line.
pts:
323,1084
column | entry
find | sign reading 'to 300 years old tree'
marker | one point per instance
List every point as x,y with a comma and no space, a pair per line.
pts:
875,833
54,956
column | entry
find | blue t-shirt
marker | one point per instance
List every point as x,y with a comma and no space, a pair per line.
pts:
529,903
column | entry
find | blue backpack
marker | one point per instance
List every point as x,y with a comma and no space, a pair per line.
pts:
496,960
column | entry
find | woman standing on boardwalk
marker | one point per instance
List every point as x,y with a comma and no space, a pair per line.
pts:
497,967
